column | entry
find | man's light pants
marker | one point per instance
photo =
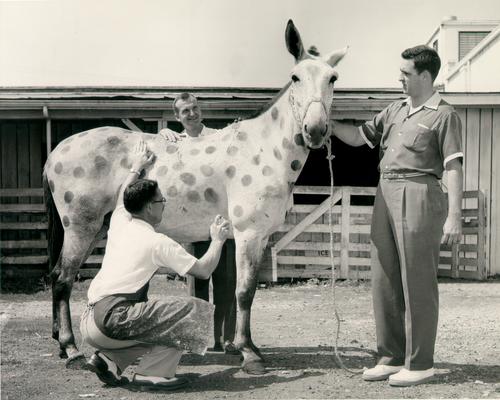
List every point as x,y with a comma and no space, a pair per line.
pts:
407,226
156,360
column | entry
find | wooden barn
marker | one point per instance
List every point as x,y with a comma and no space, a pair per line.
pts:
35,120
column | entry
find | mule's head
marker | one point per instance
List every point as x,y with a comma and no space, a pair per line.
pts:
311,90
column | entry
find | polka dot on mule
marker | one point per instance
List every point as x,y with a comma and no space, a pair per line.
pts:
238,211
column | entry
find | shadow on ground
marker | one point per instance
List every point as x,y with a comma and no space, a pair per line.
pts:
293,358
285,364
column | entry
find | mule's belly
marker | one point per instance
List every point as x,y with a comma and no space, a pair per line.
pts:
187,224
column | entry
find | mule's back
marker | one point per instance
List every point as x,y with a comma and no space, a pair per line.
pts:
85,172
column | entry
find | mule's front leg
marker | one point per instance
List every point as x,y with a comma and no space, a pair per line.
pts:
248,254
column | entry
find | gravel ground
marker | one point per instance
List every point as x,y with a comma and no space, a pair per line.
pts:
294,325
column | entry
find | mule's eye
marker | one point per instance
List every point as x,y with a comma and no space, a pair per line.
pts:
295,78
333,79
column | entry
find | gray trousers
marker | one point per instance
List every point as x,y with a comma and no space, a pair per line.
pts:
407,226
158,361
157,330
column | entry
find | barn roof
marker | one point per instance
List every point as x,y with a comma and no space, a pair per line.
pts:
217,102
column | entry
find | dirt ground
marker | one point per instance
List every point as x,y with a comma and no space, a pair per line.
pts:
294,325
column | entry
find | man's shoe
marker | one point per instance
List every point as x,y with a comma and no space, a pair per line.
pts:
146,383
411,378
106,370
381,372
230,348
217,348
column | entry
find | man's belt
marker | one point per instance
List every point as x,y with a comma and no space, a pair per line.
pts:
400,175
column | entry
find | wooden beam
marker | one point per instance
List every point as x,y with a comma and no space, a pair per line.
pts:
24,260
313,216
22,208
344,236
162,124
21,192
48,129
131,125
23,244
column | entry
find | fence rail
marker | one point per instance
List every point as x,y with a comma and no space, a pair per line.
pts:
24,233
300,248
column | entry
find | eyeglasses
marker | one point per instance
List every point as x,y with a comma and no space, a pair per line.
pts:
163,200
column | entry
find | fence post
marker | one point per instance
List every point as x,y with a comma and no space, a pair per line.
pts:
274,261
455,260
344,235
481,256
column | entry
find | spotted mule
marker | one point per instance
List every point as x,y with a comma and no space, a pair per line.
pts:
246,173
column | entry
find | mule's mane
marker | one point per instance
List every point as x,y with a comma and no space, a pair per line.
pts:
271,103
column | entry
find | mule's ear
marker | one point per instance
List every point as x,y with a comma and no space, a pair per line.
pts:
334,58
293,41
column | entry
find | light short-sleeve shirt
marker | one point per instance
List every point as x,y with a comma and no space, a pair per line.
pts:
206,131
134,252
422,139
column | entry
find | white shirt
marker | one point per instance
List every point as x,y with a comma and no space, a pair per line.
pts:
204,132
432,102
134,252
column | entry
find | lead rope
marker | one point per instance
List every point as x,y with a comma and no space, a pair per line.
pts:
338,359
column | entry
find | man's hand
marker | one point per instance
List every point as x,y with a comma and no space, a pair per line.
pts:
219,230
169,135
452,230
141,156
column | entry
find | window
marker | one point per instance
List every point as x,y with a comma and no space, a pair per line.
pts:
468,40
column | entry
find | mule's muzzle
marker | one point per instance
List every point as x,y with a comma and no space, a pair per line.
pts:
315,124
315,138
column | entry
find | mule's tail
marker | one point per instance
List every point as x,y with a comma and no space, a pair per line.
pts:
55,230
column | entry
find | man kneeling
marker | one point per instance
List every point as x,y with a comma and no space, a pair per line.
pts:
119,320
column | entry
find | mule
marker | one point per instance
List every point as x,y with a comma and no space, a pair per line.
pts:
246,173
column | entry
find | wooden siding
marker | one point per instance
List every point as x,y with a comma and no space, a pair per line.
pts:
481,143
23,131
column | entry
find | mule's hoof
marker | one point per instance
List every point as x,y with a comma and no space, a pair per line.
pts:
78,361
63,354
254,368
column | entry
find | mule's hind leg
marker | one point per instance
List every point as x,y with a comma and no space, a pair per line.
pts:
76,248
248,253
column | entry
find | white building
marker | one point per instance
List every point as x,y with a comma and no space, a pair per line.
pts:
470,54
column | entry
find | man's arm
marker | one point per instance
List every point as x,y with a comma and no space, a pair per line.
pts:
452,230
169,135
349,134
203,267
141,158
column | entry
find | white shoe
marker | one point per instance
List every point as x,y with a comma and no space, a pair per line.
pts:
381,372
144,382
410,378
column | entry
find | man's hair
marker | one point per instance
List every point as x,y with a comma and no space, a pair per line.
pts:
182,96
424,58
138,194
